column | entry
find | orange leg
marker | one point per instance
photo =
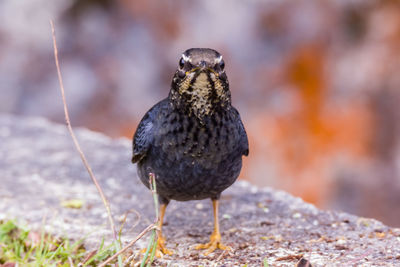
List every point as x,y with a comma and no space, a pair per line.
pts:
215,238
161,249
161,239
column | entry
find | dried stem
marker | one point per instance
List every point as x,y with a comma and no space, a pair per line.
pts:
77,146
152,227
155,235
147,229
153,189
92,176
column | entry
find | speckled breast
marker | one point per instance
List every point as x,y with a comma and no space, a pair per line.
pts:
193,159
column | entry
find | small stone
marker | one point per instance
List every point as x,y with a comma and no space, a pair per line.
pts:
226,216
341,241
266,223
243,245
340,247
380,235
296,215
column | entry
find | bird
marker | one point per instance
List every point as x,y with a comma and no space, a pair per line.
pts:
192,141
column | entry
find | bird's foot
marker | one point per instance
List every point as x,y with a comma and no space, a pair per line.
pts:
215,242
161,250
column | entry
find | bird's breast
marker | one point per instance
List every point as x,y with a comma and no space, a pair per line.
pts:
188,140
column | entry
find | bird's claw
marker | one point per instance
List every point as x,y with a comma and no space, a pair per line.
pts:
215,242
161,250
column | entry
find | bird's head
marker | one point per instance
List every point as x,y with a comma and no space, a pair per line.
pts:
200,84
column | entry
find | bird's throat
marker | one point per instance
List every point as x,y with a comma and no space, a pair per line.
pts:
200,94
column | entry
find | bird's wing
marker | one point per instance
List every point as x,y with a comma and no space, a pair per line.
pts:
144,134
243,135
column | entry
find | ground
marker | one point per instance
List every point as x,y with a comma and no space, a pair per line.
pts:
40,169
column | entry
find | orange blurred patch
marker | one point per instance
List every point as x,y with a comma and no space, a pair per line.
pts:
300,146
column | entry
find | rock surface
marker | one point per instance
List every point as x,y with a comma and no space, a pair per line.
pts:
39,169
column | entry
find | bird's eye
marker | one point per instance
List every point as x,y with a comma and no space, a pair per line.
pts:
181,63
222,64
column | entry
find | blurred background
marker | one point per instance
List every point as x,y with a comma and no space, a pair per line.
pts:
317,82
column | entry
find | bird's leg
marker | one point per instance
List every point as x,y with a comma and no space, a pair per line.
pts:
161,249
161,239
215,238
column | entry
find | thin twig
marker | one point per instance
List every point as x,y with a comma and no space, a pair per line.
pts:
222,254
77,146
152,245
152,181
70,262
125,218
147,229
130,259
153,189
152,227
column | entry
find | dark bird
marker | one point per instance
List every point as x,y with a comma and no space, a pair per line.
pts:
193,140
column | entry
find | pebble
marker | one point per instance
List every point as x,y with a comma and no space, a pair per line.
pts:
296,215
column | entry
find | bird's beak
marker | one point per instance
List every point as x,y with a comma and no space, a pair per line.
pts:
203,65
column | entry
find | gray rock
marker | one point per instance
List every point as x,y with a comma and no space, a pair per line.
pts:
40,168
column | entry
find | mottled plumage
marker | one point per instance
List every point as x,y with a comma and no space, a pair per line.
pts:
194,140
